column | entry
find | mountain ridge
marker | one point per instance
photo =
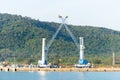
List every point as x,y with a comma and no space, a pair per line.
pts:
22,37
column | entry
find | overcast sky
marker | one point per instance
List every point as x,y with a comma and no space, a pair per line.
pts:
101,13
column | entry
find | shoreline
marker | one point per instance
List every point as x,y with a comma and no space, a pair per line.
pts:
61,69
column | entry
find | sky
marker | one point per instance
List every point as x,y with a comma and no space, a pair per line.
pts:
98,13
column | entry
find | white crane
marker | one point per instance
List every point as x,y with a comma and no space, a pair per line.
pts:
46,48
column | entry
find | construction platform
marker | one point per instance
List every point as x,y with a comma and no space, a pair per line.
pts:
62,69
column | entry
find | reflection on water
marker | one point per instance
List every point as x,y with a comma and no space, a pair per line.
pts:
42,75
82,76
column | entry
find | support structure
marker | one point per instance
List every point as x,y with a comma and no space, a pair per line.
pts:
43,63
81,49
43,52
82,63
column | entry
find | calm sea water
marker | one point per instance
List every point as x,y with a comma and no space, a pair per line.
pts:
59,75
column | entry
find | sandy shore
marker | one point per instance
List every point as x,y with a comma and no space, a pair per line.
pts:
64,69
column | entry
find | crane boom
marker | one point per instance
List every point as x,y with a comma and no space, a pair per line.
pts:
56,33
74,39
52,39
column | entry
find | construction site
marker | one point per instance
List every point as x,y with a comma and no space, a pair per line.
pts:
43,65
79,45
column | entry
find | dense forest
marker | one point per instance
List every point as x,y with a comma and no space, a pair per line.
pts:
21,38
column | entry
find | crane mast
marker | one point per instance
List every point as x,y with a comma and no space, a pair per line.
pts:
81,49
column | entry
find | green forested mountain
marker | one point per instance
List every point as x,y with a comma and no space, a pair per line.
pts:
22,37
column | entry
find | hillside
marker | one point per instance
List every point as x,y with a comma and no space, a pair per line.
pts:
22,36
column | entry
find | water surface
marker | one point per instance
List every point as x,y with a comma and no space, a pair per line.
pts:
59,75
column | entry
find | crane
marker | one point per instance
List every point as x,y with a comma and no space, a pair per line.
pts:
45,48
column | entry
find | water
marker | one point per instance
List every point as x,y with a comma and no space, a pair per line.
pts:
59,75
